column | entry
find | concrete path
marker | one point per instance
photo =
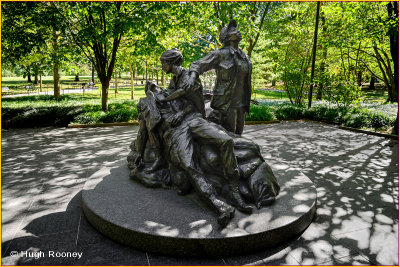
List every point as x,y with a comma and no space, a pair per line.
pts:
44,170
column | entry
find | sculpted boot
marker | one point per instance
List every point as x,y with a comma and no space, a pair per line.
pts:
225,215
158,163
236,199
224,211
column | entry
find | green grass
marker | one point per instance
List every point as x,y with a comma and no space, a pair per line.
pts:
271,95
17,84
90,97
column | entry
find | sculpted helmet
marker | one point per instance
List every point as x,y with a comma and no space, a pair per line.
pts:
224,36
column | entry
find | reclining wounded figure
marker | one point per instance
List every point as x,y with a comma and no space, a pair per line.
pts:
177,147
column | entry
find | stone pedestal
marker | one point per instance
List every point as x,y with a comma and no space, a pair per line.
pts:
159,220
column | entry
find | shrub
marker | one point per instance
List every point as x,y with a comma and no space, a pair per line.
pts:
373,116
260,113
89,117
287,111
39,111
38,117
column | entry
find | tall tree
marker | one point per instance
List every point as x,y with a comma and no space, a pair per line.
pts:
33,27
393,13
314,50
97,28
393,32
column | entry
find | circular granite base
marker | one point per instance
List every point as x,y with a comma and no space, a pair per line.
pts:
158,220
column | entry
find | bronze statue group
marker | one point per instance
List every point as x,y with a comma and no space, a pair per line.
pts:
177,146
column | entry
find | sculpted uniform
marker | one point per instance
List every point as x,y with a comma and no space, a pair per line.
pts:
179,140
232,92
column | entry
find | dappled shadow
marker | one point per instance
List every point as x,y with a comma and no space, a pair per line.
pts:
42,168
67,231
356,175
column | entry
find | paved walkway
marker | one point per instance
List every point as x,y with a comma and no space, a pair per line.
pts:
44,170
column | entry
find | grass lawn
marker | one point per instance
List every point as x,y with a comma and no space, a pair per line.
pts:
17,84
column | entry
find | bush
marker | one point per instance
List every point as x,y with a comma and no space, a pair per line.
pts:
372,116
89,117
38,117
287,111
260,113
39,111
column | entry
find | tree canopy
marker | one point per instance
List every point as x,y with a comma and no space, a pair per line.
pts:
355,41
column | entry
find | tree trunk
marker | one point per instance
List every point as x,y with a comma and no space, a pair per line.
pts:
56,80
40,77
77,77
132,86
324,57
313,55
56,75
254,42
119,75
372,83
92,73
273,82
104,94
163,79
146,70
359,78
116,82
132,72
394,48
36,80
322,74
29,75
394,51
385,70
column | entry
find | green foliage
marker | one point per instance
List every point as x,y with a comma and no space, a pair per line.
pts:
39,111
371,116
339,91
288,111
260,113
118,112
38,117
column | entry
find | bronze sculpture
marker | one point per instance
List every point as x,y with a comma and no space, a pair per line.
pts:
232,92
177,147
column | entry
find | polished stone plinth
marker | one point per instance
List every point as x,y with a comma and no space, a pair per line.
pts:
159,220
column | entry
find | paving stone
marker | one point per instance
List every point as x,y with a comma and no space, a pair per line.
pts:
157,260
61,242
356,176
88,235
109,252
356,259
379,246
316,245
